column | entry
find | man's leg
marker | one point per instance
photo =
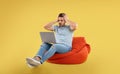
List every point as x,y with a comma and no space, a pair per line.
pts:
60,48
44,47
32,62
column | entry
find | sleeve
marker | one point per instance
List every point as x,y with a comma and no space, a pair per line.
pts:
69,28
54,27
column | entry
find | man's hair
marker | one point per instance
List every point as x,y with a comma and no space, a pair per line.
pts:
61,14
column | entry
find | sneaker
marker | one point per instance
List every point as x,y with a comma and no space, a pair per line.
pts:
32,62
30,65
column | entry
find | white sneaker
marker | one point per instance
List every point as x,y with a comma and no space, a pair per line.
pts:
32,62
31,66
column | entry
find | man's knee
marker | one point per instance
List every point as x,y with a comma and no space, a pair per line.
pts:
55,46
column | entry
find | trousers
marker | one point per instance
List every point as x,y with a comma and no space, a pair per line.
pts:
47,50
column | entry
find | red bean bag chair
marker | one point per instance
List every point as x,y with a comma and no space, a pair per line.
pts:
78,54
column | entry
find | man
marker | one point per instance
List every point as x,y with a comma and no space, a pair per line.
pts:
63,33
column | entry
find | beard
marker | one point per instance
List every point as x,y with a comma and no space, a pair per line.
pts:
61,24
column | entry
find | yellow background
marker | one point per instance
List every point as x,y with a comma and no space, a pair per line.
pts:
22,20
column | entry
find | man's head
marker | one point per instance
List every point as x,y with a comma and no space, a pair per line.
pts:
61,19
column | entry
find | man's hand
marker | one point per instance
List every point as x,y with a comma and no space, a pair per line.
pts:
66,18
72,24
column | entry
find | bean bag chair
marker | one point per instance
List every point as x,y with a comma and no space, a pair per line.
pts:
77,55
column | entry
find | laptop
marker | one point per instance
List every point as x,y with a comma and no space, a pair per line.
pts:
48,37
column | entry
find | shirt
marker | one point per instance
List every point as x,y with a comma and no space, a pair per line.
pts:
63,34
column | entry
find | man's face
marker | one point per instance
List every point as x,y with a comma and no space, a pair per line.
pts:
61,21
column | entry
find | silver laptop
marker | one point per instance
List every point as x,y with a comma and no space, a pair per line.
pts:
48,37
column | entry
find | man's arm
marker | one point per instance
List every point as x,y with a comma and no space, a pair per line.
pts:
73,25
49,26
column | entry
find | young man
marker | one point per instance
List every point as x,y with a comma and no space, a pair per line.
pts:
63,34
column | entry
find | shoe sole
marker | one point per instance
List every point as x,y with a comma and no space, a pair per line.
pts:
30,66
32,62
